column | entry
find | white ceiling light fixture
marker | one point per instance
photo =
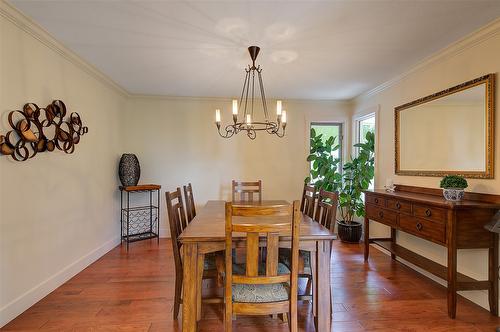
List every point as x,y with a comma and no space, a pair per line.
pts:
247,122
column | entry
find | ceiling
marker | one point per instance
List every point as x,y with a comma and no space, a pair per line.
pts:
310,49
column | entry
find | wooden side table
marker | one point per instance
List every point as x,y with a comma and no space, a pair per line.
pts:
139,222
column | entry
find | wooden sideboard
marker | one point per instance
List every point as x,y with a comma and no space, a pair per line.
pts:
424,212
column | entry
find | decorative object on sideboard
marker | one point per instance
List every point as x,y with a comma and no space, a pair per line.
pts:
248,123
129,170
453,187
389,186
36,129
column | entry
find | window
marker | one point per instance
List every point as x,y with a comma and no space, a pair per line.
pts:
329,129
363,125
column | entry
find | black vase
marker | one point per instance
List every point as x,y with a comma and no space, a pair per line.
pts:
129,170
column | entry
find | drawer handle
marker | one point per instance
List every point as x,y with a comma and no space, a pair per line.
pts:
381,214
428,213
398,206
376,200
419,226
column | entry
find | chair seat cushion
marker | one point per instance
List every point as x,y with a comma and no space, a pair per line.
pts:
260,293
285,257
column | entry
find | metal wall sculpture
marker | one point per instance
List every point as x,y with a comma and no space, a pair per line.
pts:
36,129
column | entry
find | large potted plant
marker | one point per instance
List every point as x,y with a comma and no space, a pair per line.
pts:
356,177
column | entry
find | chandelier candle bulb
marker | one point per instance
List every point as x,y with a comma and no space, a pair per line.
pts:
217,115
283,117
278,107
249,119
235,107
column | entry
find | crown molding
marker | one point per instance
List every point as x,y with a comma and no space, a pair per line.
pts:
36,31
228,99
486,32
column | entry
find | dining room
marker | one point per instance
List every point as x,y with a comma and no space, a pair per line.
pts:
249,165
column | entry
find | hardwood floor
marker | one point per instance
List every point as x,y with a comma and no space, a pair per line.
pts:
134,292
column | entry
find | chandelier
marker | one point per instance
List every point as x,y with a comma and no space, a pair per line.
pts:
247,123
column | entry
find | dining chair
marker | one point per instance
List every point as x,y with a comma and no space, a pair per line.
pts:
326,212
308,201
245,190
177,221
261,289
189,199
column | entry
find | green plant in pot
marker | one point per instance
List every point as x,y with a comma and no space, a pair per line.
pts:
356,177
453,187
324,166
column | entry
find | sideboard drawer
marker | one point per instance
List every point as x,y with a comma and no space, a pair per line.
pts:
398,205
426,229
432,213
375,200
384,216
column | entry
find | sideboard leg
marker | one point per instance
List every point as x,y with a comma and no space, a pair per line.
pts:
452,265
367,238
493,276
393,239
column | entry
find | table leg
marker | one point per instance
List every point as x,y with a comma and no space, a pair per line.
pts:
393,240
199,284
190,289
314,272
367,238
323,298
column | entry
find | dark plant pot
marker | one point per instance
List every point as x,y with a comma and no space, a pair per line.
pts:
129,170
351,232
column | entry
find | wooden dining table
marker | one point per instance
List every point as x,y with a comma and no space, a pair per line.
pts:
206,234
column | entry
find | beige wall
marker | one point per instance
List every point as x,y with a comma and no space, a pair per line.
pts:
177,142
471,58
58,212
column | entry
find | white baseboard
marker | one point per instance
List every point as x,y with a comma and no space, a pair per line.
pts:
17,306
164,233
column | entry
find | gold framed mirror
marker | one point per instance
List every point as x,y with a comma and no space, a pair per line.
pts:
449,132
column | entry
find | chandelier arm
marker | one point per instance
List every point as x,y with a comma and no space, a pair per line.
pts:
271,127
282,133
251,133
229,129
263,95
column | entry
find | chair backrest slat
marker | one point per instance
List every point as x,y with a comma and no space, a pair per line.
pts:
245,190
308,202
189,199
326,209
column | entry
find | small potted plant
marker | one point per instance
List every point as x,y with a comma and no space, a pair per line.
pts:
453,187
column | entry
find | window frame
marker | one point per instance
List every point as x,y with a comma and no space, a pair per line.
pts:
356,121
